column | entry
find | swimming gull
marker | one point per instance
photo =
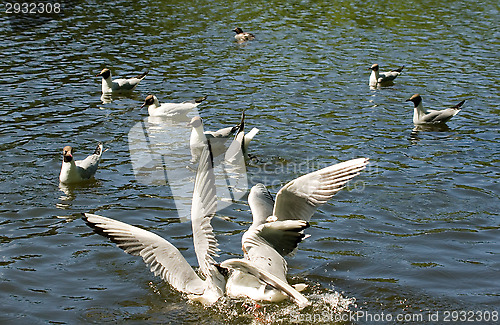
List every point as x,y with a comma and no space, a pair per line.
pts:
242,36
77,171
424,116
199,138
170,109
118,85
383,78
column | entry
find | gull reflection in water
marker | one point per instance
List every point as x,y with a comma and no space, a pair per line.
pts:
414,135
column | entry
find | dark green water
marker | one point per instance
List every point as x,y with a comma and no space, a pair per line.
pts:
417,235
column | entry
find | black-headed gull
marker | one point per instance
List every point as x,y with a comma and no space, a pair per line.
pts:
275,232
170,109
77,171
164,259
118,85
239,146
242,36
423,116
383,78
199,138
277,229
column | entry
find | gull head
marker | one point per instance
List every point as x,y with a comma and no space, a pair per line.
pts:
150,100
374,67
416,99
105,73
195,122
67,154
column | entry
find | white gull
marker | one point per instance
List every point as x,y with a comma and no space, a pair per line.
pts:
217,139
80,170
164,259
118,85
170,109
423,116
383,78
276,230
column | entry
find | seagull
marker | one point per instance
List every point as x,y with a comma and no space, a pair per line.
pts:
217,139
118,85
164,259
276,230
77,171
383,78
240,143
170,109
242,36
423,116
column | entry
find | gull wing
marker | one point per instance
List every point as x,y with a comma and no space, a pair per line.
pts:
203,209
266,244
163,258
250,268
89,165
261,204
298,199
441,116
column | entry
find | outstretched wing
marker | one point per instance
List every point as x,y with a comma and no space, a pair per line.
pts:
163,258
298,199
203,209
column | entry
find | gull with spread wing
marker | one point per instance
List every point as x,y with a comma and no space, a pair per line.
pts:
164,259
275,233
277,229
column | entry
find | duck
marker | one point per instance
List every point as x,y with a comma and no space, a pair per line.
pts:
276,230
383,78
170,109
422,116
120,85
80,170
242,36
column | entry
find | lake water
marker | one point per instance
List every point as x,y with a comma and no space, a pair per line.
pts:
417,234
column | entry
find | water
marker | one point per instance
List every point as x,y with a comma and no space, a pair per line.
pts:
417,234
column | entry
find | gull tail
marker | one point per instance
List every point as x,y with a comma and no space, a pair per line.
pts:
400,69
199,100
459,105
142,75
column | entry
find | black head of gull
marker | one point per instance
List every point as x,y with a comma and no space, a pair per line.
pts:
67,154
105,73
